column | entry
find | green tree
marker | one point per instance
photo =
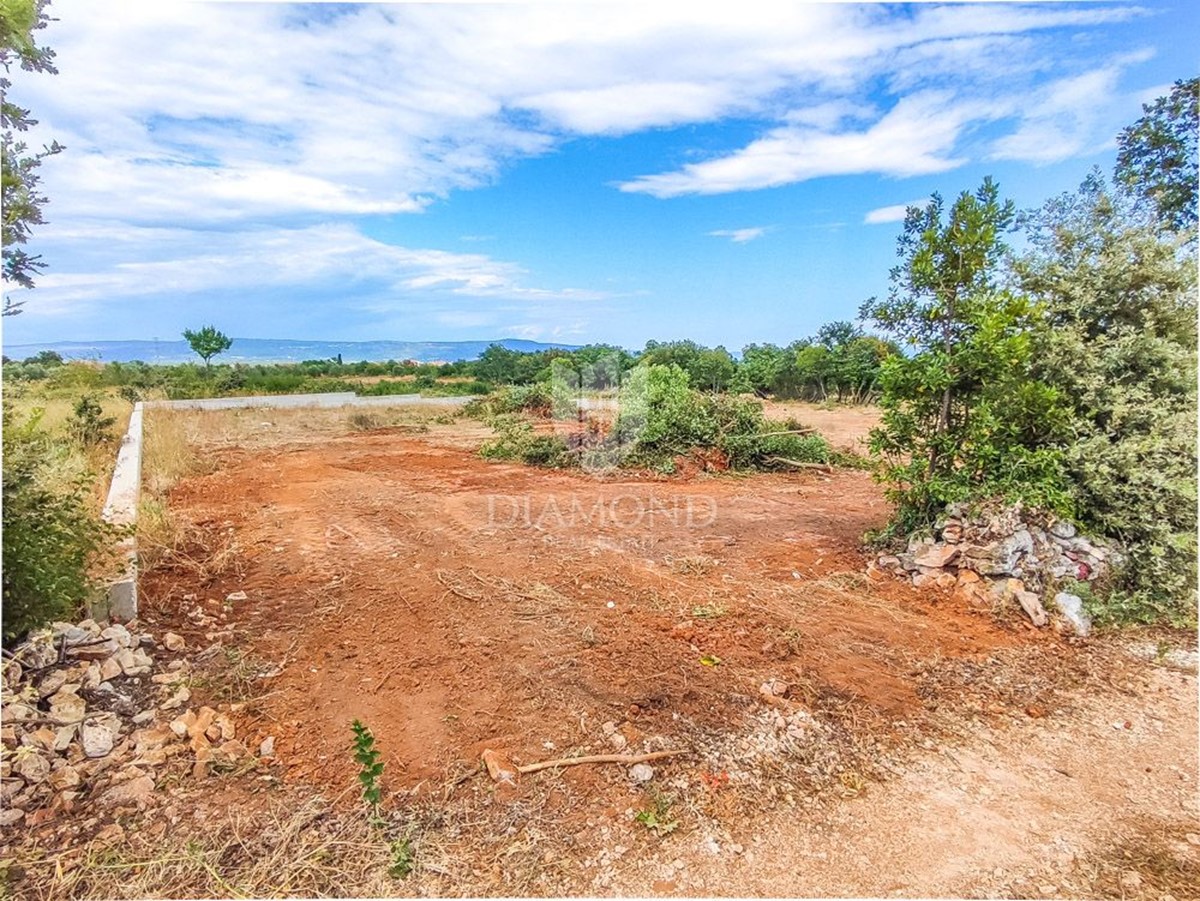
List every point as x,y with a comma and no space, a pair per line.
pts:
961,416
1156,156
713,369
761,369
22,202
838,333
207,343
1118,343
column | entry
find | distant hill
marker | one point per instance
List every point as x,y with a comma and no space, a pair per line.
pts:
273,350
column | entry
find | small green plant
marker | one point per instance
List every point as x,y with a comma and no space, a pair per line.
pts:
88,424
370,766
518,441
403,858
658,817
130,394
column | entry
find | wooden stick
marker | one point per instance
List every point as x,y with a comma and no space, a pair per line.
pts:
804,431
599,758
824,467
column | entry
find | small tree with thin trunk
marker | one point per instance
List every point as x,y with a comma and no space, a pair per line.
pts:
207,343
962,417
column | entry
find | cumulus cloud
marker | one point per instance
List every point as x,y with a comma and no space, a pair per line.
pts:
739,235
228,111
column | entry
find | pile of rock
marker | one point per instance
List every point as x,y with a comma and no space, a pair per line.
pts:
999,554
90,716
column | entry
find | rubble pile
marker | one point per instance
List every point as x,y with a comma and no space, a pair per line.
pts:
998,555
96,714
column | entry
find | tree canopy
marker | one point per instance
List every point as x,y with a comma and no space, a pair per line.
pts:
22,200
1156,156
207,342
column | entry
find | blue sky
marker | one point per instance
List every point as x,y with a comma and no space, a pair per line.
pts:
728,172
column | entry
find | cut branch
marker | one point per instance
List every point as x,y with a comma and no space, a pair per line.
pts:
823,467
599,758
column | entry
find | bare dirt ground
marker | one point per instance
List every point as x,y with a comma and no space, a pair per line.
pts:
845,427
916,748
455,605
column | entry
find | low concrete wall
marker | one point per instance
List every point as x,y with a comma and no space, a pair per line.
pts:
293,401
124,493
121,510
408,400
283,401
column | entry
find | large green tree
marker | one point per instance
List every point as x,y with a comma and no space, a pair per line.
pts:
1118,343
961,416
1156,156
22,200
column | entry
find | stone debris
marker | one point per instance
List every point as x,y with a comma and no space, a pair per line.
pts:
1000,555
1071,607
641,772
84,726
96,738
173,642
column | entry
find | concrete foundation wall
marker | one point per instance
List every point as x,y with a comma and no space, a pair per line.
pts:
121,510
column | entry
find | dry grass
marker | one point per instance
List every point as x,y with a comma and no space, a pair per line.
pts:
1150,860
695,565
54,410
305,849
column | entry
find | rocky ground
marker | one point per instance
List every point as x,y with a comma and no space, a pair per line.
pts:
96,717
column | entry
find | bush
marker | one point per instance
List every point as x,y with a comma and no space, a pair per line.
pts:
51,537
88,425
1118,342
517,441
662,418
535,399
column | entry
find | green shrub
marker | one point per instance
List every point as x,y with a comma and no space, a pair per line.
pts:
52,539
1118,342
662,418
88,425
518,441
534,399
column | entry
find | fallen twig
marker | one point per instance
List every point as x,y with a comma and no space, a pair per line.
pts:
600,758
497,769
824,467
804,431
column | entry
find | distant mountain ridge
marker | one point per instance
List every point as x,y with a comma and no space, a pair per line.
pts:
276,350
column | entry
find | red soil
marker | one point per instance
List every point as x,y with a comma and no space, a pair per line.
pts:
461,604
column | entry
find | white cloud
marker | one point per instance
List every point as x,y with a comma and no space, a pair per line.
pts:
229,111
217,147
1072,116
739,235
894,213
167,262
916,137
